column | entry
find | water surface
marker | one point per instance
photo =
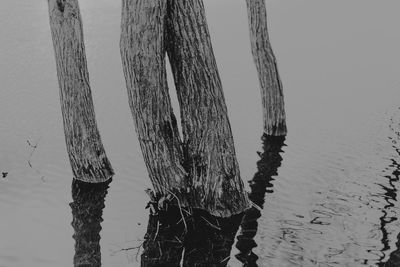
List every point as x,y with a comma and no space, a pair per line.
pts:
333,201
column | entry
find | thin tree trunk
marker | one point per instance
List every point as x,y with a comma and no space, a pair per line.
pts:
86,153
264,58
208,144
143,57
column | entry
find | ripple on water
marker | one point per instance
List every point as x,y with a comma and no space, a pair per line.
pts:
351,200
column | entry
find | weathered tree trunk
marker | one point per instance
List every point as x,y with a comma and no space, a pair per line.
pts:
264,58
143,57
203,171
208,144
87,210
86,153
267,167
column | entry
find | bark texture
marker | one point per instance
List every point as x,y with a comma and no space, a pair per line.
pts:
264,58
267,168
208,144
85,150
143,57
87,210
202,169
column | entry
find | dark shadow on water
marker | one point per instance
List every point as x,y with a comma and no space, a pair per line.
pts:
164,239
199,239
87,210
390,196
394,259
267,167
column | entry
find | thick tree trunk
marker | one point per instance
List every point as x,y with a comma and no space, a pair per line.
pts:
207,138
203,171
264,58
143,58
86,153
87,210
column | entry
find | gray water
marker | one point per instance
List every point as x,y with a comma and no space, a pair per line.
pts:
334,200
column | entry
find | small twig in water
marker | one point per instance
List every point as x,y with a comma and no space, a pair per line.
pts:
31,155
158,229
128,249
178,239
32,151
226,259
212,225
179,205
30,144
159,247
254,205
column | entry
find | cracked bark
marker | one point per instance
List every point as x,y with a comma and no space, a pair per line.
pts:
85,150
264,58
202,168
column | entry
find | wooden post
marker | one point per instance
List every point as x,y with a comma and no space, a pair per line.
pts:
85,150
264,58
208,144
202,172
87,210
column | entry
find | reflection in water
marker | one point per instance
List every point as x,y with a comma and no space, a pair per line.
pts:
164,239
260,185
394,260
390,195
201,239
390,198
87,210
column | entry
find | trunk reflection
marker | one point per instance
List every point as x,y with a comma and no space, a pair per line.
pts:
87,210
267,167
200,238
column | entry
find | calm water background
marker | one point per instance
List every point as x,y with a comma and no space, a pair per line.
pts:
334,202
